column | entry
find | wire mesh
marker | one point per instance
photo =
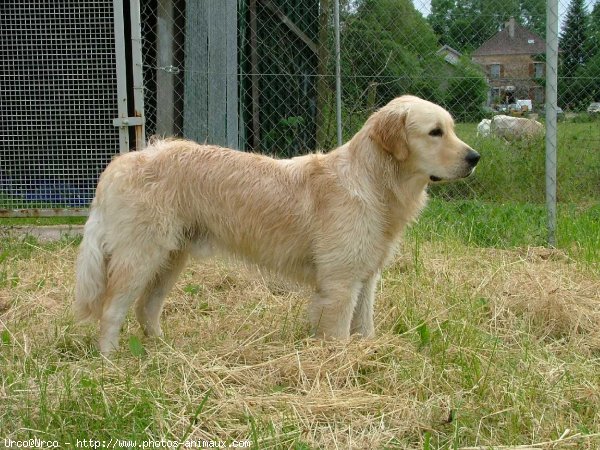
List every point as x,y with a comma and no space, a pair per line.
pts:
57,101
479,60
260,75
476,59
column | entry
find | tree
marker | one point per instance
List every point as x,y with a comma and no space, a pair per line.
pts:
573,39
465,25
573,46
389,49
584,87
386,42
440,16
533,15
466,94
593,34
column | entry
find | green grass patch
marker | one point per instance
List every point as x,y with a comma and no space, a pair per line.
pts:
509,225
481,340
474,346
515,171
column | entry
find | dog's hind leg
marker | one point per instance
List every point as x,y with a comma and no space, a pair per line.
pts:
362,319
332,308
128,277
149,306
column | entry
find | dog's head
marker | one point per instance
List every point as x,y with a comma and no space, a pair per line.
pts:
421,135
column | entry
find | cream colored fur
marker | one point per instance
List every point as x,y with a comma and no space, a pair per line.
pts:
329,220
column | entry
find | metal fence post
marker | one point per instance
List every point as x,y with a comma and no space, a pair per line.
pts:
138,79
121,63
551,110
338,71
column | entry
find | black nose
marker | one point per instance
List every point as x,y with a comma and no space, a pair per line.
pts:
473,158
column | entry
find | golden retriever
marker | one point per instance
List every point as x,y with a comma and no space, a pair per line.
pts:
329,220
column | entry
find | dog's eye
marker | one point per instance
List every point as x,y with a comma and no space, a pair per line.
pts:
436,132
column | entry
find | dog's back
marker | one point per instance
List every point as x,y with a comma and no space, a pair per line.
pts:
180,196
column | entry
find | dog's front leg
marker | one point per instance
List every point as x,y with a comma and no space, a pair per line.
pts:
332,308
362,320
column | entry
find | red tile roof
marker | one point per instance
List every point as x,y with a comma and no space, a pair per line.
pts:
522,42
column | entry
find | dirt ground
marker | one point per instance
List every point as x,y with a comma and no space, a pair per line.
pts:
42,233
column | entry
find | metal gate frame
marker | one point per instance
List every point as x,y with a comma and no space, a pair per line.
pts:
125,121
130,98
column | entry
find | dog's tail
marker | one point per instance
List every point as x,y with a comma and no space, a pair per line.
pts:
90,282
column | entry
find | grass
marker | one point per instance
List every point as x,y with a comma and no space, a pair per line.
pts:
484,338
515,172
475,347
487,224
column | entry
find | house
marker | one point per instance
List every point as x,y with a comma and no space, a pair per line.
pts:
450,55
513,62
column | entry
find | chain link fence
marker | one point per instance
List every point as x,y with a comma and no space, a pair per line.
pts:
260,75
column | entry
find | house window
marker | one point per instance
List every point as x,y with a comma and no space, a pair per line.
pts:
495,70
539,69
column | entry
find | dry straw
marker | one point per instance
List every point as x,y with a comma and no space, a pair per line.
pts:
239,340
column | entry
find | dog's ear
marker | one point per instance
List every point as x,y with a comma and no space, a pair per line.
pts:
389,132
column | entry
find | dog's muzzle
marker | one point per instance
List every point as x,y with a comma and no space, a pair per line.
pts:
472,158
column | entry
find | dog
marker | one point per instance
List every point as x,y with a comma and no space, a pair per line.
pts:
329,220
